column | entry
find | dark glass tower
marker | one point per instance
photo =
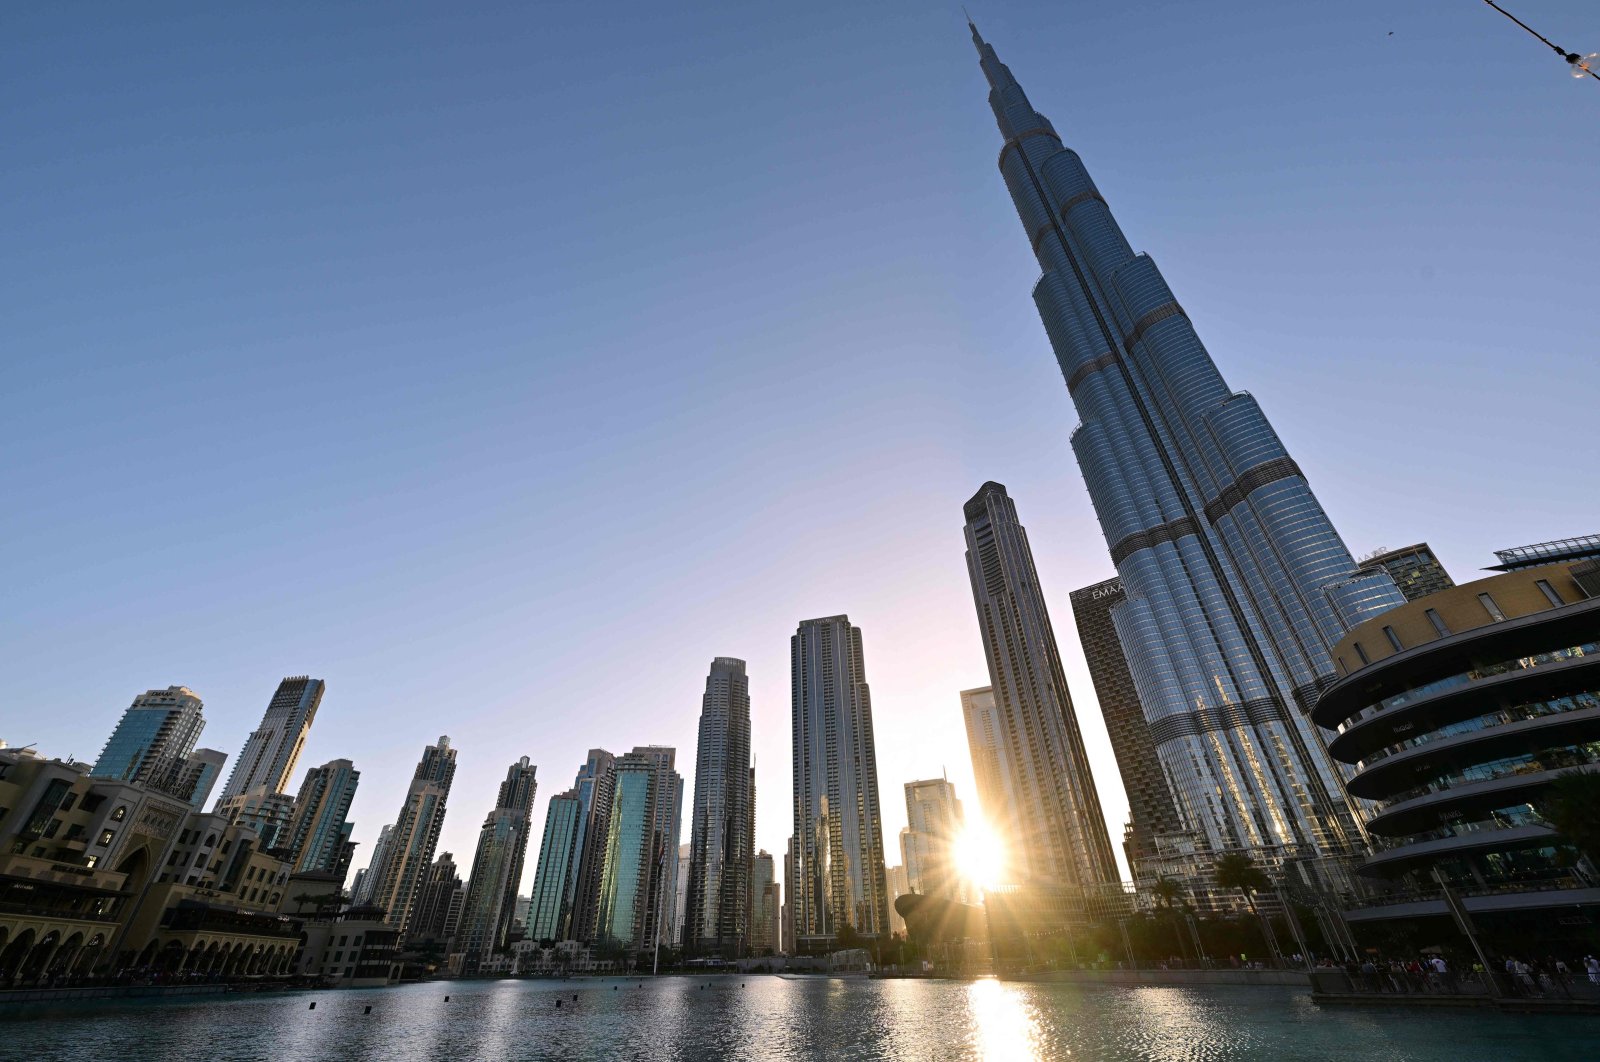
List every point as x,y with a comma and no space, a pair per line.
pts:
1150,809
717,908
1237,584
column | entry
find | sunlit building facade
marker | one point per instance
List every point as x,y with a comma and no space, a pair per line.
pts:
1459,712
273,748
1237,585
928,843
1052,825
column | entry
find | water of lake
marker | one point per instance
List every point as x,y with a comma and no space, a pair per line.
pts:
694,1019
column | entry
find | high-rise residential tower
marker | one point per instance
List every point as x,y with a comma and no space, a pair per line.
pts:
928,843
1414,569
899,885
197,776
320,825
997,782
490,905
366,882
154,737
555,878
415,834
717,909
766,895
273,748
440,897
1053,829
1237,583
838,876
680,902
641,865
1151,812
596,780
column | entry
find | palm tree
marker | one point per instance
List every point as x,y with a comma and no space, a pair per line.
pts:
1166,891
1235,870
1572,806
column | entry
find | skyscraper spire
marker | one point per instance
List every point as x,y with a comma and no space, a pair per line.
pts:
1237,584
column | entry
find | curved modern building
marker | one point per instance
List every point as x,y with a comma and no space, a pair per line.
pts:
1457,711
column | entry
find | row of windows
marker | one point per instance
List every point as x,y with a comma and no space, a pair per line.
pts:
1442,629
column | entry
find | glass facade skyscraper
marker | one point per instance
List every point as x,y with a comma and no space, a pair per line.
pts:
594,785
1237,583
320,825
550,911
1151,812
640,873
490,905
153,739
717,908
1052,825
837,877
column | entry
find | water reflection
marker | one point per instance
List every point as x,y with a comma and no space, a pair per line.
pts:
1002,1021
699,1019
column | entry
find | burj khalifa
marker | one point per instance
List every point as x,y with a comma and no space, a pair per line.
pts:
1237,584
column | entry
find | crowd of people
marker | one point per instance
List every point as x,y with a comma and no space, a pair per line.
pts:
1548,977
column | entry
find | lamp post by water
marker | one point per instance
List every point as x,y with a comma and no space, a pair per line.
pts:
1122,924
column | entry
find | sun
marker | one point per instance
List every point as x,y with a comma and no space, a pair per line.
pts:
980,856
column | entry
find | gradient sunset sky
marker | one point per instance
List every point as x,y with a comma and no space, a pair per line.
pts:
503,365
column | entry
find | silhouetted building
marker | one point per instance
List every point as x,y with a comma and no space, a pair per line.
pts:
717,908
1051,821
1151,811
838,868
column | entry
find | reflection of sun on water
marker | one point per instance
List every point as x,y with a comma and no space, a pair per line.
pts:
979,855
1006,1030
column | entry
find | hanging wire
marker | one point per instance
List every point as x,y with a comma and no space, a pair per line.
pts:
1582,65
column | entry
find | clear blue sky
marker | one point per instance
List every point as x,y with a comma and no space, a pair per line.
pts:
502,365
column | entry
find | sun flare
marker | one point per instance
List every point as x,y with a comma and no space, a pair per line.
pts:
979,855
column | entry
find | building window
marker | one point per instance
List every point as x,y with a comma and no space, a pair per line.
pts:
119,814
105,838
1362,653
1491,608
1394,639
1550,594
72,798
90,861
1439,627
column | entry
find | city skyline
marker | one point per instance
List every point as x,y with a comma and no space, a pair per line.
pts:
900,584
